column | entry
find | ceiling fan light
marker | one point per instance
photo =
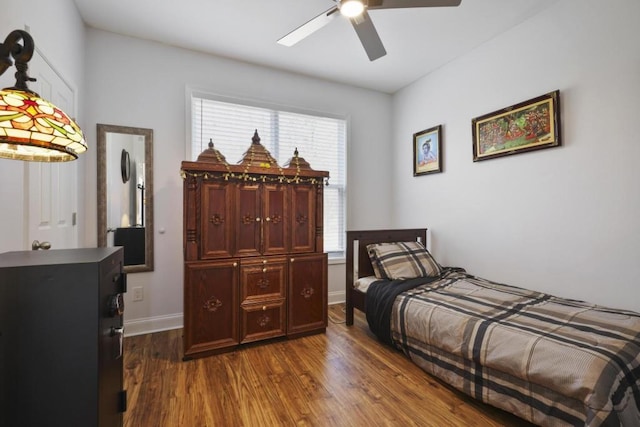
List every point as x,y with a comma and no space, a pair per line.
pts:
351,8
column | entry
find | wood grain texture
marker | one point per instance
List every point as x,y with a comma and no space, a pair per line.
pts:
342,378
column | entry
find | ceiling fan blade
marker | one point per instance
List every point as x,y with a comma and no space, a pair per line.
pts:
368,36
309,27
397,4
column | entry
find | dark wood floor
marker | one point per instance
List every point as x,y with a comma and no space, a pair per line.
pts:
341,378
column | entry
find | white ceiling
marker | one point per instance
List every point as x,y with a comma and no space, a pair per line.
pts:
417,40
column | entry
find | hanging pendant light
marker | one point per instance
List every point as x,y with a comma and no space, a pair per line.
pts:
32,128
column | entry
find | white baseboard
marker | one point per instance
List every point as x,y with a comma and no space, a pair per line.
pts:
149,325
336,297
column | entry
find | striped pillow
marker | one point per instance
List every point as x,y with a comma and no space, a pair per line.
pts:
402,260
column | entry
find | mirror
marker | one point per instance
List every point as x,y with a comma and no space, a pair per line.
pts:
125,193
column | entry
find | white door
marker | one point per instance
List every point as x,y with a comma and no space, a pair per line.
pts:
52,187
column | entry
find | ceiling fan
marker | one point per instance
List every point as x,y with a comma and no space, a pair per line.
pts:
356,12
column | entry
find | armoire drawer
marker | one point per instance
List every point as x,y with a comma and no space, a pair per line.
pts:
262,321
262,279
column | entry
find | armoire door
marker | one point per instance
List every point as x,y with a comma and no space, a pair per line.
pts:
307,293
303,218
217,220
248,219
210,305
274,225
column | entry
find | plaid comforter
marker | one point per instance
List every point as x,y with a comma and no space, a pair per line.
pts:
549,360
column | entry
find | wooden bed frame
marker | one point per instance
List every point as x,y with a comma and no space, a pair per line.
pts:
358,264
499,377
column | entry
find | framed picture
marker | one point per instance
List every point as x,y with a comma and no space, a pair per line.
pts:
427,151
527,126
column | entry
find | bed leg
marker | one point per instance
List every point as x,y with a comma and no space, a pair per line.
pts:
349,311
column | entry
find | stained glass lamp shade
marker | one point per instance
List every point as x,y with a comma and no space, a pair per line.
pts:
32,128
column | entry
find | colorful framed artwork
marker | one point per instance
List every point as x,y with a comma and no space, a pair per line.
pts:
427,151
527,126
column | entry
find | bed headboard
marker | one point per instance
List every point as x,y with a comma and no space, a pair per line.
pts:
357,242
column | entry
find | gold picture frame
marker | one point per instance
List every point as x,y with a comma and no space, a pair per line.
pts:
530,125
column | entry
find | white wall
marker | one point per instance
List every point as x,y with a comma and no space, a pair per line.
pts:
58,33
561,220
132,82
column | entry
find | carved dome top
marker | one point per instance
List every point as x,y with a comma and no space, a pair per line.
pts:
297,162
212,155
257,155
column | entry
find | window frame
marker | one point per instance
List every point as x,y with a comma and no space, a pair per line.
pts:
191,92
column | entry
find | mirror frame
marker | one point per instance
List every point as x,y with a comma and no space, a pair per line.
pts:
102,130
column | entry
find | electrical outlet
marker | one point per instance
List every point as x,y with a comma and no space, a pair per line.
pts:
138,293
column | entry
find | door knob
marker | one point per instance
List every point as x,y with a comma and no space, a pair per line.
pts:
37,245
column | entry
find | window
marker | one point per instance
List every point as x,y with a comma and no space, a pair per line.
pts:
320,140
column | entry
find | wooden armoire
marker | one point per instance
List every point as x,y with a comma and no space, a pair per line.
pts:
254,265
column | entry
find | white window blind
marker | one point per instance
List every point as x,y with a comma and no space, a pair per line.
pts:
319,140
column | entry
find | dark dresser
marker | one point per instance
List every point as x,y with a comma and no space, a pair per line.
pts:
61,336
